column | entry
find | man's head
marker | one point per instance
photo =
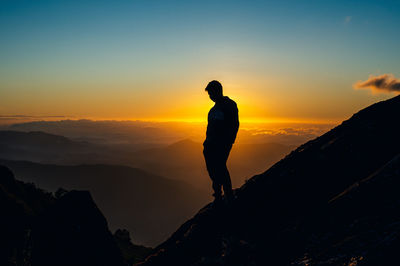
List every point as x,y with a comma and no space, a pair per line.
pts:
214,89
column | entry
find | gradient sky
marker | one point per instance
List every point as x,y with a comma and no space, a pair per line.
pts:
290,60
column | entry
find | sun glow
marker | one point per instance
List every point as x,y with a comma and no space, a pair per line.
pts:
203,120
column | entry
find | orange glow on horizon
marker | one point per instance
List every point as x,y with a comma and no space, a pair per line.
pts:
202,120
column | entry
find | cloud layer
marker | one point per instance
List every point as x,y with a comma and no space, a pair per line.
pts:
382,83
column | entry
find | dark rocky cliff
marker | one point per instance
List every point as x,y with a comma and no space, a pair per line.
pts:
39,229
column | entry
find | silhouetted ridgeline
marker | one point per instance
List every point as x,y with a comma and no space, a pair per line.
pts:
333,201
38,229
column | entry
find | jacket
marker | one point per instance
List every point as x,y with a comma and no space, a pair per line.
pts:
223,122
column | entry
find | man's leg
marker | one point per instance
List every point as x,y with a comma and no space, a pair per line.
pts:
217,187
224,173
227,184
211,157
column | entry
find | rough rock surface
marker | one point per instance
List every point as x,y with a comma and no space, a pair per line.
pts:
39,229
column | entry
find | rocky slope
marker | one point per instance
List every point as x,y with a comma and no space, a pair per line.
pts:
37,228
332,201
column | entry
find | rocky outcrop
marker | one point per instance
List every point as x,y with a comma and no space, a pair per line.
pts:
132,253
38,229
332,201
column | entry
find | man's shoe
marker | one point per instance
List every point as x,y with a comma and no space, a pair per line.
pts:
217,200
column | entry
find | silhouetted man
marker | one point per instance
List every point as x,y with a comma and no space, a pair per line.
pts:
223,124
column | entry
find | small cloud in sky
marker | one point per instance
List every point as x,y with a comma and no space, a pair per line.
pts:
347,20
383,83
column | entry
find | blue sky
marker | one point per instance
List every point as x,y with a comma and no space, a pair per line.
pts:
298,58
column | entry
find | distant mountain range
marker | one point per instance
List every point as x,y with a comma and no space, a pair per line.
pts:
142,134
182,160
39,146
333,201
128,133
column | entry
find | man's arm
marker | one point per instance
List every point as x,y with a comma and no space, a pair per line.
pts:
235,122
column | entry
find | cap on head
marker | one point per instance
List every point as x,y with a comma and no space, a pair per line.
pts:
214,87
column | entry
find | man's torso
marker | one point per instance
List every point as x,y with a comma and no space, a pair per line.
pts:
222,122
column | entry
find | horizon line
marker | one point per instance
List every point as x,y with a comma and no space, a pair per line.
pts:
196,120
